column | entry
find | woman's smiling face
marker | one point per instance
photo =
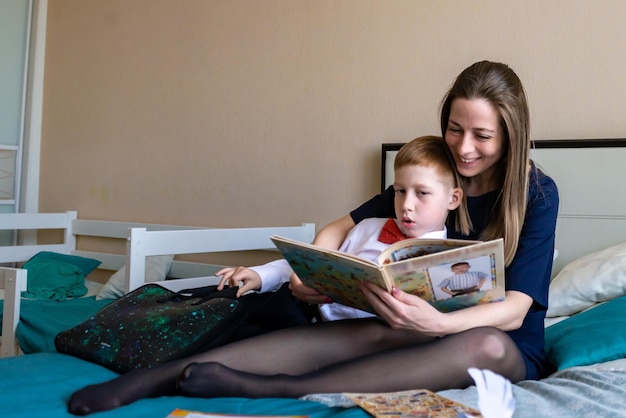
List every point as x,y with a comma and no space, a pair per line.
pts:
476,139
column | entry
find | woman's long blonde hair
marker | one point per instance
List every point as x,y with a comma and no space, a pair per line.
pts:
500,86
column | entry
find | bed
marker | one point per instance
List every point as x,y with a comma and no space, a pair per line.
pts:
586,332
51,307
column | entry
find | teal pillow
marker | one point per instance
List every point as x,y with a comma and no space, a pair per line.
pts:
87,265
589,337
57,276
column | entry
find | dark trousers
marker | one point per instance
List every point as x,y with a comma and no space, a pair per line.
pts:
271,311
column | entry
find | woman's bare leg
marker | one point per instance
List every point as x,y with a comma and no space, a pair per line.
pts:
292,351
440,364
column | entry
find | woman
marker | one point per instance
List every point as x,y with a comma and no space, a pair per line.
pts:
485,124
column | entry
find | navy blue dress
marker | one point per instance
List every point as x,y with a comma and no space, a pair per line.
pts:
531,268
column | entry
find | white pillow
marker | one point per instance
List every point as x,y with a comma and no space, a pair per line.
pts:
593,278
157,267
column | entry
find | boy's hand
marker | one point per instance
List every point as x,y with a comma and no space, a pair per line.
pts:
235,275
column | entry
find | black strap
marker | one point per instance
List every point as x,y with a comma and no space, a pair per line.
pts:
203,293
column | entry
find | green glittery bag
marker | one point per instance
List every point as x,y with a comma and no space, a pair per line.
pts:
152,325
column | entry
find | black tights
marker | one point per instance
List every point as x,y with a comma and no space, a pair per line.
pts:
343,356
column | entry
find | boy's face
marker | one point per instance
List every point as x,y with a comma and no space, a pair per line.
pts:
460,268
422,199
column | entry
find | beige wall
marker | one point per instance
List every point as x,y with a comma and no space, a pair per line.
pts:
266,112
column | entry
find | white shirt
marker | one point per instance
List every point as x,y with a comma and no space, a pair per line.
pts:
362,240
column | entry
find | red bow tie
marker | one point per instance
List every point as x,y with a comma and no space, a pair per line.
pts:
391,233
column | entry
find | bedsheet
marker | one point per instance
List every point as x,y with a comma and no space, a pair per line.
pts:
591,391
38,385
574,392
50,378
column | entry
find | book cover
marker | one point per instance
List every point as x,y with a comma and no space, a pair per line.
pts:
449,274
184,413
413,403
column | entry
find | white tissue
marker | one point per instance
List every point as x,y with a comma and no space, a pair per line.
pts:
495,394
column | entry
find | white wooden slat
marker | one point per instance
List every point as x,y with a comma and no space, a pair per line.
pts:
143,243
9,254
181,284
111,229
179,269
13,281
109,261
35,220
216,240
186,269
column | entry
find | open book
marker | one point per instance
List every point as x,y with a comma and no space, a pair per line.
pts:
450,274
183,413
412,403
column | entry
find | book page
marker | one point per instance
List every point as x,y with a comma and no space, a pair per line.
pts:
304,248
414,403
183,413
454,279
412,248
332,273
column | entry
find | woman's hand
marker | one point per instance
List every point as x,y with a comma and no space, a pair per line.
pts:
235,275
403,311
305,293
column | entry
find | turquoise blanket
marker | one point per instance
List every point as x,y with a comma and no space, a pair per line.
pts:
55,281
42,320
39,385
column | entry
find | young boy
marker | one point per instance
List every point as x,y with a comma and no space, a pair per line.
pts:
426,187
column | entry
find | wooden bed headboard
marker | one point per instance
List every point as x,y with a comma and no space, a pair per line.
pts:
590,176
